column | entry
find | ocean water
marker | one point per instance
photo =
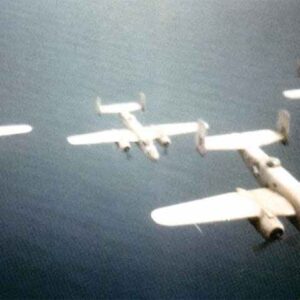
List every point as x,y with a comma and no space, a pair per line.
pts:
75,221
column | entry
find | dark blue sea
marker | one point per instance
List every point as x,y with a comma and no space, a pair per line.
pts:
75,221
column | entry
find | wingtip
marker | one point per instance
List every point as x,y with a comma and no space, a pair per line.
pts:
71,140
15,129
159,217
292,94
27,128
155,216
22,128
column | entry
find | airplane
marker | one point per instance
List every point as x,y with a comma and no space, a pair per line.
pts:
279,194
143,136
14,129
292,94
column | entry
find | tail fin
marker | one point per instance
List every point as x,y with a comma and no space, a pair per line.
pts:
283,125
200,137
121,107
98,106
142,101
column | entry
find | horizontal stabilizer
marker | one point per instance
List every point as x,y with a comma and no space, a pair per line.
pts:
239,141
292,94
121,107
244,140
102,137
14,129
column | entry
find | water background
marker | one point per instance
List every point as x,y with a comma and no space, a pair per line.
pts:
75,221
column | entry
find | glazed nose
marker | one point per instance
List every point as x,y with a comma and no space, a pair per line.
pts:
155,155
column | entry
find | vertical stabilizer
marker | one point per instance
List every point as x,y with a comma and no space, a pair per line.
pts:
142,101
283,125
200,137
98,106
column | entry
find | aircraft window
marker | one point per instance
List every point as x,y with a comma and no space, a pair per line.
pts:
273,162
255,169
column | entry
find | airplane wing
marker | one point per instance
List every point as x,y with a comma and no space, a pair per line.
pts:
292,94
236,141
156,131
226,207
270,201
14,129
107,136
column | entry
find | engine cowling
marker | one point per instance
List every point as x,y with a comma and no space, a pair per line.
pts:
269,227
124,146
164,141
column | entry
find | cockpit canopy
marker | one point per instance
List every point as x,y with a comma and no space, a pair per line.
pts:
146,143
273,162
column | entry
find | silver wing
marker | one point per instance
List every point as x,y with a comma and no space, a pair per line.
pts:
14,129
292,94
225,207
156,131
101,137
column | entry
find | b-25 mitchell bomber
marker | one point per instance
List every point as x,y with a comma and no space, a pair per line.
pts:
143,136
279,195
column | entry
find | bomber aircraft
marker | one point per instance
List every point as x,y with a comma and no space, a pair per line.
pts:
278,196
143,136
14,129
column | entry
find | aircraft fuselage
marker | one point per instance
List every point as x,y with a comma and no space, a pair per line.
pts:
269,173
145,143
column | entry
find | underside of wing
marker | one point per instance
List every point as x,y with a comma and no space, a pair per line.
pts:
231,206
236,141
157,131
14,129
101,137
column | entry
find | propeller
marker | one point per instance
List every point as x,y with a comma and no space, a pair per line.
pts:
128,155
292,240
166,150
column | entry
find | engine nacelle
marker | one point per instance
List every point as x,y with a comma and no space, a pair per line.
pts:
164,141
124,145
269,227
